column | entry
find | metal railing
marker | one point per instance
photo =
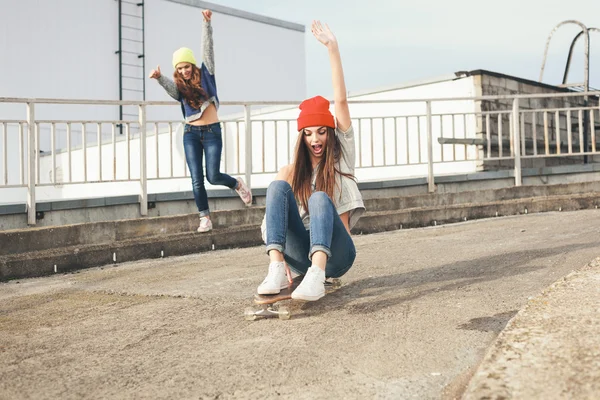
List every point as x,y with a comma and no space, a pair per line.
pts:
402,137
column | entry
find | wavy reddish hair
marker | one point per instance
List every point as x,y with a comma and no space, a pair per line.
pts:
191,89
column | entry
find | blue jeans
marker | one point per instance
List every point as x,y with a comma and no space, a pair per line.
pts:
287,234
199,141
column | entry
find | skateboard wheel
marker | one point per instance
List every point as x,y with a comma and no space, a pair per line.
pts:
284,313
249,314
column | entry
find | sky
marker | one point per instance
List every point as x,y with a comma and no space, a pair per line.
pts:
391,42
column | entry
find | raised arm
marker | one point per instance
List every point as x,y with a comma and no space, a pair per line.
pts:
208,55
342,113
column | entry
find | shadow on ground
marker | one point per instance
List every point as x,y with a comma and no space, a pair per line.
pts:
450,277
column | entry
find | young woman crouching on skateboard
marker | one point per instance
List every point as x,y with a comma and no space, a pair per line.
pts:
314,202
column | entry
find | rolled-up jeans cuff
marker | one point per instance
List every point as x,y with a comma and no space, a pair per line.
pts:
318,247
275,246
204,213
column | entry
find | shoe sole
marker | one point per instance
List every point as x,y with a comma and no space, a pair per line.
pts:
307,298
249,203
272,291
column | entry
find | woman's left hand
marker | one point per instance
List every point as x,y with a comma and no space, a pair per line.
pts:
207,15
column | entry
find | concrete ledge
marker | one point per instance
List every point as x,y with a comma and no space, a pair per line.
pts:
424,209
13,209
549,349
9,209
368,185
37,239
420,217
479,196
155,237
48,238
72,258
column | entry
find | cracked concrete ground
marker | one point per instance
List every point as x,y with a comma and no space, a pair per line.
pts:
414,318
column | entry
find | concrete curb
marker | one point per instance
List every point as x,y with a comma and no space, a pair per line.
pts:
420,217
119,241
550,348
66,259
48,238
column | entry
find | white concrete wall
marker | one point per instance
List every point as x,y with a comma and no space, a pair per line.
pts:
58,49
66,49
253,60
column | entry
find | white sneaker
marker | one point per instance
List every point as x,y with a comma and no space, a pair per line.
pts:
275,281
244,192
312,286
205,224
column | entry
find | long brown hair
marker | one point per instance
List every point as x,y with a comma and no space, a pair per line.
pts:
326,169
191,90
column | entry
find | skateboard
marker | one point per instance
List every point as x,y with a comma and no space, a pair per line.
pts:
269,308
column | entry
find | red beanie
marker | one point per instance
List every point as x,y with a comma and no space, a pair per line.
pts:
315,112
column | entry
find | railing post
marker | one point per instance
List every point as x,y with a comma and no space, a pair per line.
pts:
430,178
586,124
248,157
143,167
517,142
31,157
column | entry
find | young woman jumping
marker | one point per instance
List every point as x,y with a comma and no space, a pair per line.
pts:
196,89
314,202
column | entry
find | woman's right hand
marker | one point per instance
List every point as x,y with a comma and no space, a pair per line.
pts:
155,73
323,34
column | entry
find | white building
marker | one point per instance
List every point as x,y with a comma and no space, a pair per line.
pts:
69,49
105,49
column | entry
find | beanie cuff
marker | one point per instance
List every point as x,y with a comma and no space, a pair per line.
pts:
316,120
184,60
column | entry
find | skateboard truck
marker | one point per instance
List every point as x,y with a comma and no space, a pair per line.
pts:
267,310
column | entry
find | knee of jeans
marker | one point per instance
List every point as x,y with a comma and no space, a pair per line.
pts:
318,200
278,186
212,178
197,183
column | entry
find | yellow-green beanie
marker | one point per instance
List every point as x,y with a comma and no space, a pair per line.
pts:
183,55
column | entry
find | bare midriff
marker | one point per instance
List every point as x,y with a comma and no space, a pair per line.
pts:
209,116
